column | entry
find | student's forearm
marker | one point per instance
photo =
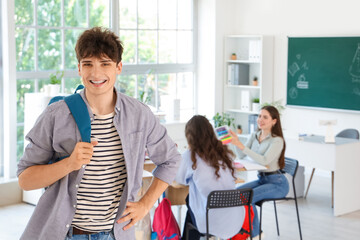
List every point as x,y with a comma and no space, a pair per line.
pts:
240,145
40,176
155,190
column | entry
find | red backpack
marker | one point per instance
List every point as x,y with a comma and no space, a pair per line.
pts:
245,226
164,223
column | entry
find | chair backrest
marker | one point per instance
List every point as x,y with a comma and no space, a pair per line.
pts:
229,198
349,133
291,166
226,199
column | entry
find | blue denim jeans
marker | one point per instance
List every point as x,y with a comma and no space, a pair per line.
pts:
271,186
96,236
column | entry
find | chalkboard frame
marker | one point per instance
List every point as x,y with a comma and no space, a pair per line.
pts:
294,67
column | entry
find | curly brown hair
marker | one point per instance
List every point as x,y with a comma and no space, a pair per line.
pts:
97,42
202,141
276,131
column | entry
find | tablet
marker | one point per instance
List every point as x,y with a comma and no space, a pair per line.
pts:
222,133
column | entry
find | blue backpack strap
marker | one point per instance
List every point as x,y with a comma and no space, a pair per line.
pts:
78,88
80,113
55,99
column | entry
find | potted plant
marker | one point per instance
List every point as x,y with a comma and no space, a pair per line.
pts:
233,56
239,129
255,81
223,119
256,105
276,104
53,88
144,97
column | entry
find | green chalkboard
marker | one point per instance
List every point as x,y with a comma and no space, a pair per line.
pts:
324,72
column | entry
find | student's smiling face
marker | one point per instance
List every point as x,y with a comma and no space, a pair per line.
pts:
99,74
265,121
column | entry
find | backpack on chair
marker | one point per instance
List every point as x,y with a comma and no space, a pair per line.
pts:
243,235
164,223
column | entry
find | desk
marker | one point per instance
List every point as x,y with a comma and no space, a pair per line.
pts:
176,193
247,164
149,165
343,158
246,170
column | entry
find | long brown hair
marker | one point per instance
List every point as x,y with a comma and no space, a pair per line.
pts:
202,141
276,131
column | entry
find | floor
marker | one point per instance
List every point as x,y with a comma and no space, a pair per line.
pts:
317,220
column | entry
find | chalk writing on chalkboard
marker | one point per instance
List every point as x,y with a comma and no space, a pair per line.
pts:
298,68
354,70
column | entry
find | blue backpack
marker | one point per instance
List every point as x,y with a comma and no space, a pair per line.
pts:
80,113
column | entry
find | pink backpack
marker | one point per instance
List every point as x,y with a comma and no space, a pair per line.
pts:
164,223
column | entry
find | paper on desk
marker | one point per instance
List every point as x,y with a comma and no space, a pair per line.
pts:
249,164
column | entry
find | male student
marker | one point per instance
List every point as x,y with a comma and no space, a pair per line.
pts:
92,191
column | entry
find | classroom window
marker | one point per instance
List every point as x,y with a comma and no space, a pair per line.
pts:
157,36
46,32
158,51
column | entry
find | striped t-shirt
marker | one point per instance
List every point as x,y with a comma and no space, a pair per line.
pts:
100,190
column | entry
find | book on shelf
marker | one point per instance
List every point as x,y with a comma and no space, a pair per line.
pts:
254,50
231,74
245,100
238,74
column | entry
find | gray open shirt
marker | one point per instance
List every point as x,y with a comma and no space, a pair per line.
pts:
55,135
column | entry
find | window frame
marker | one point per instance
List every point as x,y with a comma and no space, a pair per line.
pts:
159,68
9,90
1,99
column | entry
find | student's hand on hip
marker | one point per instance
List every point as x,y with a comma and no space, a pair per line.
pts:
81,154
134,212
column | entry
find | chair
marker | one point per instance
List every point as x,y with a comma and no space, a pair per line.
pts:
226,199
346,133
291,166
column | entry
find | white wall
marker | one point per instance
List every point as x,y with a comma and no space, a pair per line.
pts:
206,57
215,20
282,18
224,25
